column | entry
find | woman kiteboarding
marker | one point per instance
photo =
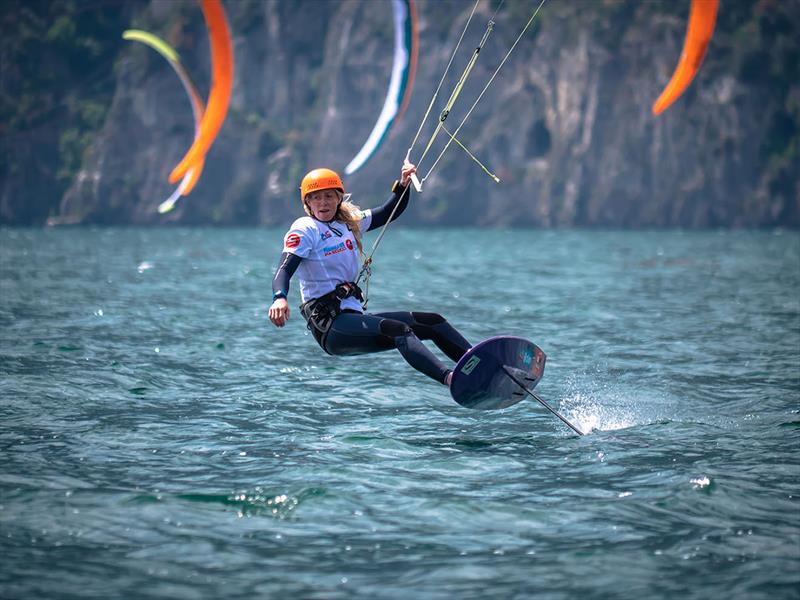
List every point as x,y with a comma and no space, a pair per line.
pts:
323,248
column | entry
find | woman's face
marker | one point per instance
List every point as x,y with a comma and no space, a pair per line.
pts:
323,204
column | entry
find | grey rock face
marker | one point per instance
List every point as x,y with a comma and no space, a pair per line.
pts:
566,125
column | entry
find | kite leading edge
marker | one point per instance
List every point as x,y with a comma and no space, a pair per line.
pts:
702,19
164,49
221,84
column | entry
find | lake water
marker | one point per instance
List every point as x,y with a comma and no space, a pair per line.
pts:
161,439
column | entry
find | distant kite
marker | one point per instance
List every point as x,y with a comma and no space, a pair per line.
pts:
164,49
702,18
404,66
221,84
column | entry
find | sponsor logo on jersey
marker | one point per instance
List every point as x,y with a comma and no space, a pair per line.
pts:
349,244
329,250
292,240
324,235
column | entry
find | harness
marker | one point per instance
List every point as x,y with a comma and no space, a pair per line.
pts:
320,313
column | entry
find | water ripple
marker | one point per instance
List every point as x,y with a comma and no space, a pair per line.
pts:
159,439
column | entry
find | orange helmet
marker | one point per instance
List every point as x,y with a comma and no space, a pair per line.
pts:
320,179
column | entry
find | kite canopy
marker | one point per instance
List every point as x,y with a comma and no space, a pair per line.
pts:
222,82
401,82
702,19
164,49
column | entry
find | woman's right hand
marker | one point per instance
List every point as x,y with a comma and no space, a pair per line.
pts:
406,172
279,312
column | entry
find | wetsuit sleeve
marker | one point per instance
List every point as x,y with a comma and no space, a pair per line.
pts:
297,244
380,216
286,268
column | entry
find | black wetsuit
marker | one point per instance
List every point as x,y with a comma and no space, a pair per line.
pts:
354,332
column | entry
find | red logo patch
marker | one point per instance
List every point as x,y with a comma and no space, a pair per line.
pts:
349,244
292,240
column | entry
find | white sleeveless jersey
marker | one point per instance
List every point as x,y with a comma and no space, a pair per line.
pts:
329,253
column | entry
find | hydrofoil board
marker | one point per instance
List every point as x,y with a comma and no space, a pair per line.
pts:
491,374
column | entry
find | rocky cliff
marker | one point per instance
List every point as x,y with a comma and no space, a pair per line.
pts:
566,124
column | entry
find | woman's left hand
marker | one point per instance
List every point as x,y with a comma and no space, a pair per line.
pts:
405,173
279,312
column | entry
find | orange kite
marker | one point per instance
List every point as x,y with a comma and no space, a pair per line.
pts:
221,84
702,18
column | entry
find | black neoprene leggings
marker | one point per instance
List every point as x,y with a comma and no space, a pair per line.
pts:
357,333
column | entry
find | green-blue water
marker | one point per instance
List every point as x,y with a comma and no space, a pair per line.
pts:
161,439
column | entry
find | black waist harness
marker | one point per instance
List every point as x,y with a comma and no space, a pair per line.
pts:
319,313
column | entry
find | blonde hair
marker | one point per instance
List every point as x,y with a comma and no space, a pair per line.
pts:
348,213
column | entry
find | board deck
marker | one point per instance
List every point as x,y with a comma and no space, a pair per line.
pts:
481,378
